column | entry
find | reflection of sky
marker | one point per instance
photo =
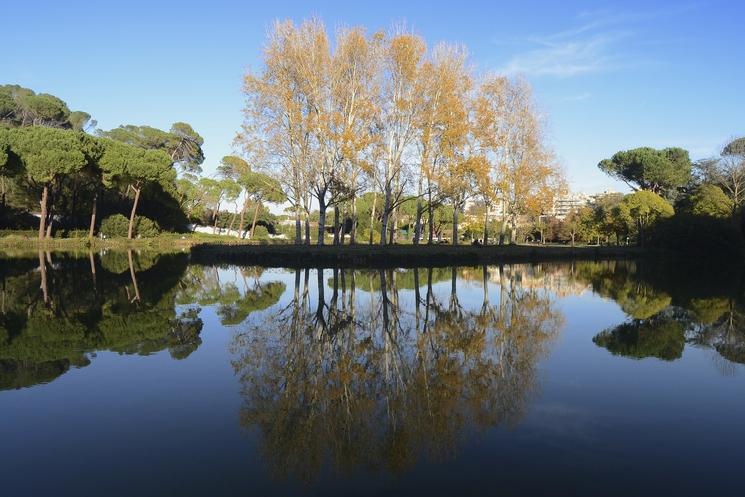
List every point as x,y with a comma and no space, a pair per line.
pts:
172,426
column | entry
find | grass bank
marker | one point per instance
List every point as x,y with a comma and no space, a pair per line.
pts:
210,249
166,242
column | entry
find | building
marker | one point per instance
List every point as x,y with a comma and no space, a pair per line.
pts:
567,203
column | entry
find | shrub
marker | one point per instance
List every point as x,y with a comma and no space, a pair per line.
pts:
260,232
117,225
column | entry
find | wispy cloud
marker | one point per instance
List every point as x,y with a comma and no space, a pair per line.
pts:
577,98
598,43
566,58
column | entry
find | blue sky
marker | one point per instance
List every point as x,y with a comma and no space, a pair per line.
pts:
608,75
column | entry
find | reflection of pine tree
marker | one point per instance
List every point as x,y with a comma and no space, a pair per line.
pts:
54,315
382,385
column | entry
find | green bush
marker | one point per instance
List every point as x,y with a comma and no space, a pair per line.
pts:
117,225
260,232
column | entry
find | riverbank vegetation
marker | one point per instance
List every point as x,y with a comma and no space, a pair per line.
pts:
363,138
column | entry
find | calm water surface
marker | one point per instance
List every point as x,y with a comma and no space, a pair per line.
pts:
134,374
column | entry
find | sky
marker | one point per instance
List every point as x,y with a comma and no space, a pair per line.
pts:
607,76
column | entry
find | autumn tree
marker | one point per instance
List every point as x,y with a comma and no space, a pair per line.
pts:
446,155
277,123
527,176
348,134
399,103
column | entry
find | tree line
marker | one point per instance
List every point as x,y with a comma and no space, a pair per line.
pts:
382,113
46,156
674,203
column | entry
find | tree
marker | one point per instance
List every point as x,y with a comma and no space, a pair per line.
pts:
131,168
527,176
20,107
646,207
213,195
49,155
710,200
456,166
237,169
659,171
81,121
735,147
277,124
399,103
182,144
260,188
727,172
579,223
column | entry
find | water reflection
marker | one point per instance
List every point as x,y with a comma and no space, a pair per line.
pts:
347,376
58,309
665,313
366,379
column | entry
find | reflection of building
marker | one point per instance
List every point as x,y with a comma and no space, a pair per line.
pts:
557,279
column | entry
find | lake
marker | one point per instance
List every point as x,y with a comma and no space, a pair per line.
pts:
143,374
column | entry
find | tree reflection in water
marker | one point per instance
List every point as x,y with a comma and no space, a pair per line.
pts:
705,310
57,310
380,382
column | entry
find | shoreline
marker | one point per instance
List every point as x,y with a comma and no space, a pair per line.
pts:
405,256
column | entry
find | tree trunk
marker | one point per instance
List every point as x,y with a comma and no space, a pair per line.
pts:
384,228
418,222
336,224
353,233
393,227
134,212
386,216
455,225
503,227
215,215
430,220
321,222
232,222
372,218
486,224
298,229
242,219
43,214
256,215
92,228
307,229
